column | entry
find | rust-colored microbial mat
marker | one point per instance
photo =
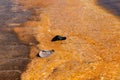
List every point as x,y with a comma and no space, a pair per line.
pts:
91,50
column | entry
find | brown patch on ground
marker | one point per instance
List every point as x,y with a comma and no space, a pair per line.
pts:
92,48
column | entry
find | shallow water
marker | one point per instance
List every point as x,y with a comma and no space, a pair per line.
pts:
12,12
13,54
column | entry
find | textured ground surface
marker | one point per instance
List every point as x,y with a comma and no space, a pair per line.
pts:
92,48
13,54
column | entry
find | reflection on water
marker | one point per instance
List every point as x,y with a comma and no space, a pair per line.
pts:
111,5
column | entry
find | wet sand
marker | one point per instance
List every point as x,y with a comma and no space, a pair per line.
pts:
92,48
13,54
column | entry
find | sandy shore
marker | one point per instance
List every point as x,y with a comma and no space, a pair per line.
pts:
91,51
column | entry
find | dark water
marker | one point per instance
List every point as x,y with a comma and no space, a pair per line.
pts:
111,5
11,12
14,56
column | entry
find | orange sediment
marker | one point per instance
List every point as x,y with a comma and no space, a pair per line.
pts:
92,48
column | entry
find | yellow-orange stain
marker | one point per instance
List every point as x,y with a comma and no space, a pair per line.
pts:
91,50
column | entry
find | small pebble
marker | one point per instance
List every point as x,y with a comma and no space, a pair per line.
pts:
45,53
58,38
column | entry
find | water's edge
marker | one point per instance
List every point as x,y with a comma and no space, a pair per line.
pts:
14,55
